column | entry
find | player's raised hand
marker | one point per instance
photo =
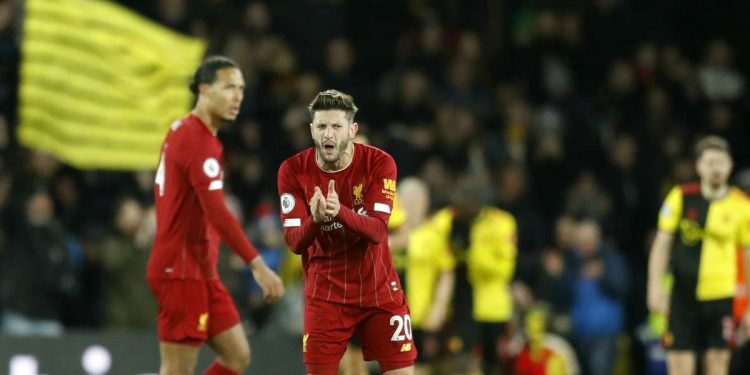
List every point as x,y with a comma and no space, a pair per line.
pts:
332,200
318,206
270,283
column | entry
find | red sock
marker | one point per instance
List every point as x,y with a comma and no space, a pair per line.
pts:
217,369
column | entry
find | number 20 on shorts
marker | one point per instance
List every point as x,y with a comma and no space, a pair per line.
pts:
403,327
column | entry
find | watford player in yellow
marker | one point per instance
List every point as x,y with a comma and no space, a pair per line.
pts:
700,227
482,240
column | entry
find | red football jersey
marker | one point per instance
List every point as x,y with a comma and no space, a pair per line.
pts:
191,216
345,259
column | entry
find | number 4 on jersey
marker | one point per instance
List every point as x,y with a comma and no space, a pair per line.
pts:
160,176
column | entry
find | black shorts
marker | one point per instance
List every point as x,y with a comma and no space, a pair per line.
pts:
697,325
431,345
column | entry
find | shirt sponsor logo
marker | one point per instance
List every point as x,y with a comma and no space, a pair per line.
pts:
211,167
333,226
287,203
389,188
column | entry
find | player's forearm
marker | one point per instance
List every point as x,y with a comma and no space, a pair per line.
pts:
444,292
370,228
229,229
657,262
302,237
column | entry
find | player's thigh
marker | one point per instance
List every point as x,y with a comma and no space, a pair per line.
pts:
717,361
402,371
327,328
352,363
231,346
681,362
178,359
223,314
718,323
685,331
388,338
183,310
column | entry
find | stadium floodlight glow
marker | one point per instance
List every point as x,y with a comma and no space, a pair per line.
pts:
23,364
96,360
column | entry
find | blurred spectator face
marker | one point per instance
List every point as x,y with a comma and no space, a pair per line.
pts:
339,56
587,238
308,85
511,183
460,75
66,191
414,87
39,209
714,167
172,11
621,78
414,199
257,17
431,38
548,24
624,152
43,164
570,28
556,77
469,46
657,103
564,231
282,60
250,134
129,217
720,117
719,54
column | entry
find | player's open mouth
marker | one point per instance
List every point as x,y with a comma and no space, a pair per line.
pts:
328,147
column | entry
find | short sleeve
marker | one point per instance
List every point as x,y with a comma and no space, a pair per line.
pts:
292,201
671,211
204,167
382,190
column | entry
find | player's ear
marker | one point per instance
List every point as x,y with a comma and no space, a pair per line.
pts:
353,130
203,88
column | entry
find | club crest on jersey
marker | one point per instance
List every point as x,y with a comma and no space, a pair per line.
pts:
211,167
287,203
358,197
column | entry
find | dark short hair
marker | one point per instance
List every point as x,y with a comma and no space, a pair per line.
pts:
206,72
711,142
333,99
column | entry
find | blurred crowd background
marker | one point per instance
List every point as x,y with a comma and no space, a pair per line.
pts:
576,116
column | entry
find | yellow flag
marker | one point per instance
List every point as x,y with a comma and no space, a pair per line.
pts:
100,84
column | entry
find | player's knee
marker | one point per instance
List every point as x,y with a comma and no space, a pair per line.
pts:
175,368
239,360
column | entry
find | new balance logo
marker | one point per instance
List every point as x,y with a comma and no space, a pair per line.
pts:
406,347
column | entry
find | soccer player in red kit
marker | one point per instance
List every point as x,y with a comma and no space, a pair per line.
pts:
351,287
191,219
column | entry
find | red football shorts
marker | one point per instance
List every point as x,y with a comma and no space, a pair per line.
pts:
385,332
191,311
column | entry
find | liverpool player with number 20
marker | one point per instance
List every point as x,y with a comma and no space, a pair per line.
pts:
336,199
